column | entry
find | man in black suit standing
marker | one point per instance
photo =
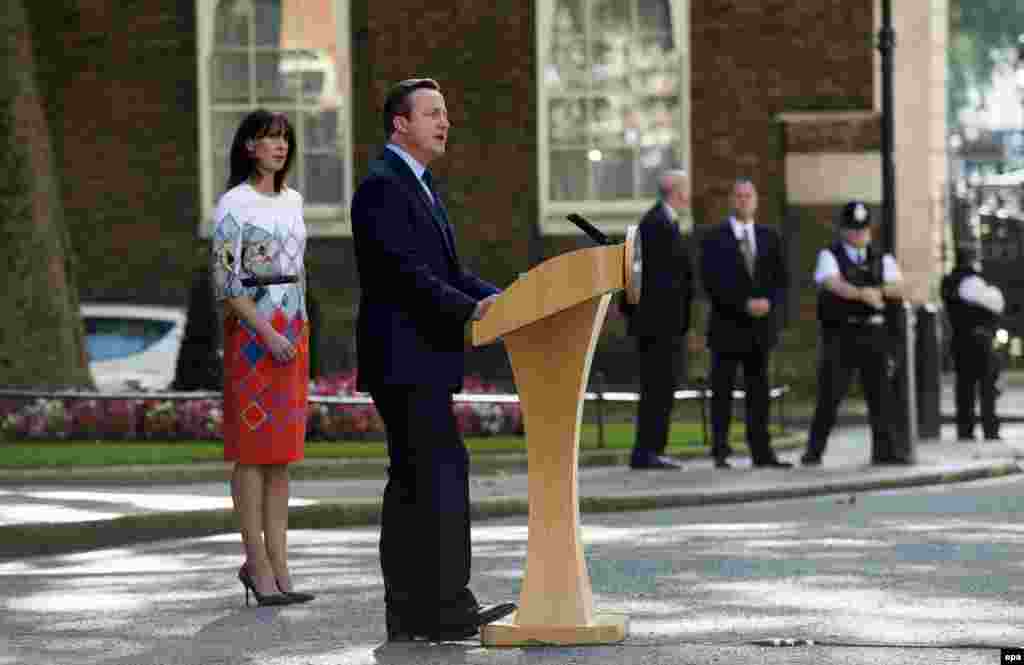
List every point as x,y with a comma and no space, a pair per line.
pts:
745,275
660,320
415,302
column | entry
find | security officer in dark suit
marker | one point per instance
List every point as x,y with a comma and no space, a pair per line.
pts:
854,281
974,308
660,320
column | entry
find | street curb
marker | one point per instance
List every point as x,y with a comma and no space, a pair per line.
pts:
327,468
27,540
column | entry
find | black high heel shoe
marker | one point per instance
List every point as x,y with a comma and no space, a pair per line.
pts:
296,596
262,600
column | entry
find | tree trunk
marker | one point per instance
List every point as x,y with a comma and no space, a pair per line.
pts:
41,335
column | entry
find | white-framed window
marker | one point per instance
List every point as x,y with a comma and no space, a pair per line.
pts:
289,56
614,102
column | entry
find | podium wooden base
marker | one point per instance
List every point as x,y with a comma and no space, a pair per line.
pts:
605,629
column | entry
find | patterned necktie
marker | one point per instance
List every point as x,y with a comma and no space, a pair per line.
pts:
747,250
428,180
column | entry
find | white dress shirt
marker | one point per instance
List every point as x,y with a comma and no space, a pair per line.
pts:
977,291
828,266
416,167
742,229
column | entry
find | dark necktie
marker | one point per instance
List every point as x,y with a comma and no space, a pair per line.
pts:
439,213
428,180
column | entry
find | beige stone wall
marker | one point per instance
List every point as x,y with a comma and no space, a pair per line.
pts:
920,129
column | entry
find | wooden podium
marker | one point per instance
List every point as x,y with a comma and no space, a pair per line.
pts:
550,320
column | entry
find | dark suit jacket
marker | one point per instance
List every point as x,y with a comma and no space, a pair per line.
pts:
729,285
415,297
666,282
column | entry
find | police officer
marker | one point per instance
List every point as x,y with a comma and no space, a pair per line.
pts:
974,308
854,281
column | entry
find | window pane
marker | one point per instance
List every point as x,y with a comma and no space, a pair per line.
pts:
567,121
566,69
232,28
267,22
650,162
655,65
225,124
610,67
324,177
606,122
654,15
659,120
229,77
568,175
320,130
610,17
272,84
627,128
613,174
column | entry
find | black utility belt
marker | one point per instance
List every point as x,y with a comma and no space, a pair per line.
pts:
267,281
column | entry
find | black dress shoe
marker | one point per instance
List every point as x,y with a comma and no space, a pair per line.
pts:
656,462
722,463
482,615
891,461
402,630
810,460
774,463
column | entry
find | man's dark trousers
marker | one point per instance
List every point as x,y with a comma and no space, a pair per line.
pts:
976,373
660,359
724,365
860,348
425,523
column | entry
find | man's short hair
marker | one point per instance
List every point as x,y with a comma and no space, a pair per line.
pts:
667,177
397,102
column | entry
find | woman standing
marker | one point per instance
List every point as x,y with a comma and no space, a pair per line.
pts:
258,244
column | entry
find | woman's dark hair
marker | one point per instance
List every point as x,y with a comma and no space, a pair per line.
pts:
257,125
397,101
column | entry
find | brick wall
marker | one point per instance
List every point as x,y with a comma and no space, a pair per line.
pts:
119,78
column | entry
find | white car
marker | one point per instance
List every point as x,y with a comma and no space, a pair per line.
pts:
132,347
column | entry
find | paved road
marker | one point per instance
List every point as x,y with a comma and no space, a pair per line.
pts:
929,575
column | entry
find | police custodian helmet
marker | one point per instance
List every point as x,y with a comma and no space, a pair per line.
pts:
855,215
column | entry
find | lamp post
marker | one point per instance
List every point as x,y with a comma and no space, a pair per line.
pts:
886,45
905,433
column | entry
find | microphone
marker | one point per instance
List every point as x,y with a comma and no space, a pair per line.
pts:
592,231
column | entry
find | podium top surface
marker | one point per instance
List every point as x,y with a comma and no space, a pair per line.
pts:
553,286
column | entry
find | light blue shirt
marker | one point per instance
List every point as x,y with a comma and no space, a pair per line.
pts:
414,164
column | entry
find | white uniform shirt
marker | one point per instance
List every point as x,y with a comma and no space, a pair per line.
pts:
977,291
828,266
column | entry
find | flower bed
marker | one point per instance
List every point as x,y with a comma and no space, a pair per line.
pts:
192,419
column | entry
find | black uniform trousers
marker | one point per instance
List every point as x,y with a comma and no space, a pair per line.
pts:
976,369
860,348
425,527
755,385
659,360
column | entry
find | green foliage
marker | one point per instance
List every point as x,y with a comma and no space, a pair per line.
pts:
976,29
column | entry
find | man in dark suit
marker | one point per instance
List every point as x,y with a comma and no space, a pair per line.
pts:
746,279
415,302
660,320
